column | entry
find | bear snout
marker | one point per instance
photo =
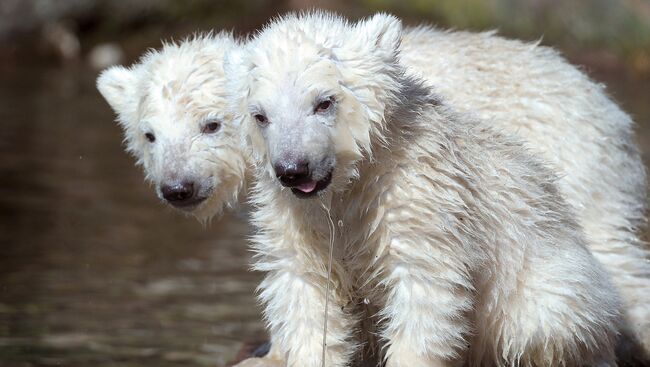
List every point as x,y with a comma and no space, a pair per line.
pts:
181,194
292,173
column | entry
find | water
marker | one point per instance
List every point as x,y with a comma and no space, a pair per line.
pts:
93,269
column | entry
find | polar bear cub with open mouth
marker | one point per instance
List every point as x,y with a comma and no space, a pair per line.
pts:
176,97
454,232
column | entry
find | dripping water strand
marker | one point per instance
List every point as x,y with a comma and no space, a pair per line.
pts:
329,276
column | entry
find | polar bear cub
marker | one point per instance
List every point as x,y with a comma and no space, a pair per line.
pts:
532,93
453,231
172,108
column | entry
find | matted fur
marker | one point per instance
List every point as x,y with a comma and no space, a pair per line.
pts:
454,231
532,92
171,93
522,88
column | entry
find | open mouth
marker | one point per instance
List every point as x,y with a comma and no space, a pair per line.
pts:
310,188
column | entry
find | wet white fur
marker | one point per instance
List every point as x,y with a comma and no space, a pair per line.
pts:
172,93
455,232
522,88
532,92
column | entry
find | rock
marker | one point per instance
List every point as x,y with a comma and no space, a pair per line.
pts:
252,352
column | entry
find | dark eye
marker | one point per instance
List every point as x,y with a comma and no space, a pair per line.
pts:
261,119
151,137
211,127
323,106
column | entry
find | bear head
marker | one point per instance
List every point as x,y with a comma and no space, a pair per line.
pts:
313,90
171,106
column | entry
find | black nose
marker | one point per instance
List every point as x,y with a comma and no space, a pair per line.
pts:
292,173
179,193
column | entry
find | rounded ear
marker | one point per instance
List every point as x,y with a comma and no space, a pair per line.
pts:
117,85
381,32
233,60
236,66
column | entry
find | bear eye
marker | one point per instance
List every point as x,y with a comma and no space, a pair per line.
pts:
324,106
151,137
211,127
261,119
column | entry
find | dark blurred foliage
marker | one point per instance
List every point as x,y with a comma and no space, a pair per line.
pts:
610,32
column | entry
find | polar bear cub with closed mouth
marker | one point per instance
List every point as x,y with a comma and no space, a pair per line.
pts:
171,106
453,231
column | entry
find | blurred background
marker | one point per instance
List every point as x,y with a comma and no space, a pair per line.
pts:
93,269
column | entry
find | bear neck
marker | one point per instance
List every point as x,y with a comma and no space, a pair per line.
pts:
411,110
414,112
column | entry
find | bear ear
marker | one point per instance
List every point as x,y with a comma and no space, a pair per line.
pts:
116,85
383,33
235,61
236,66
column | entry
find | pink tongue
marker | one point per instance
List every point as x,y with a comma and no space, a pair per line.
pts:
307,187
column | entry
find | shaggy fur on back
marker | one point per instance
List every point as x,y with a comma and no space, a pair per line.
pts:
531,92
454,232
524,89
